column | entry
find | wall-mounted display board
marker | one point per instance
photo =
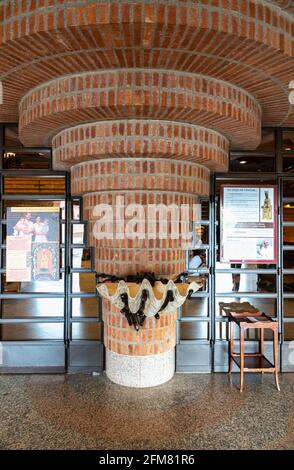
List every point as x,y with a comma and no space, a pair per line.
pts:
248,224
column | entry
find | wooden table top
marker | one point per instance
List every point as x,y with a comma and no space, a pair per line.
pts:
253,320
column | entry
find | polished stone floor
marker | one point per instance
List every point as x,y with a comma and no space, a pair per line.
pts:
192,411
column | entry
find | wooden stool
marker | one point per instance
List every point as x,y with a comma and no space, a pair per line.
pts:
253,362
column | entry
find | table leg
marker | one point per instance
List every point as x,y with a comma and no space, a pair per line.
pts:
276,361
261,342
231,346
241,359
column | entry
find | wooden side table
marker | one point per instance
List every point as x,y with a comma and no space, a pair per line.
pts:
235,307
256,362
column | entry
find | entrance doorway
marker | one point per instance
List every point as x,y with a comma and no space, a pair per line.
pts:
202,339
52,326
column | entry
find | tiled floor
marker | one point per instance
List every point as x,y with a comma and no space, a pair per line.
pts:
199,411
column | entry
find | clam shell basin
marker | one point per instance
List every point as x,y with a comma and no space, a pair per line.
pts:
112,291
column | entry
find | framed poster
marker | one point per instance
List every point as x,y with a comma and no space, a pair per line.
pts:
249,224
33,237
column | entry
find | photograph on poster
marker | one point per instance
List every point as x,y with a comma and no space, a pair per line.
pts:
41,224
33,239
264,249
266,208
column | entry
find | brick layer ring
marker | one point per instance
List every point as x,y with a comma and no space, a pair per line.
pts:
167,263
143,197
141,138
155,337
140,174
144,94
129,256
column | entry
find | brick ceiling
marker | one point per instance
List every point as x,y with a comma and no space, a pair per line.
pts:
287,5
248,43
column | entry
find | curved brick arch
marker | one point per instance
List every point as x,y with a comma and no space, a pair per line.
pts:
247,32
152,94
147,139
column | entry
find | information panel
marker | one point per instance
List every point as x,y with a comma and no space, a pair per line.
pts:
32,244
248,224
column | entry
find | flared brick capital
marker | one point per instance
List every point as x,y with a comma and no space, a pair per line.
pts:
144,94
246,42
141,138
138,174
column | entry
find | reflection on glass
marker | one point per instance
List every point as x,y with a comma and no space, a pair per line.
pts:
201,235
245,282
62,209
289,283
288,188
83,307
288,141
288,235
222,331
195,307
288,211
83,282
32,331
34,185
34,287
30,308
269,306
288,164
76,211
205,210
81,258
250,163
288,307
197,259
288,257
62,233
194,330
24,159
288,331
89,331
200,279
78,231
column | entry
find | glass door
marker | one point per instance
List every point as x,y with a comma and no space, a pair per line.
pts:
32,308
50,325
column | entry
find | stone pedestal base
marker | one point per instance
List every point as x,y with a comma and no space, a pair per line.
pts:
140,371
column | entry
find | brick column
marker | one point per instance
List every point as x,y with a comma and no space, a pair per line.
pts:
141,358
142,161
